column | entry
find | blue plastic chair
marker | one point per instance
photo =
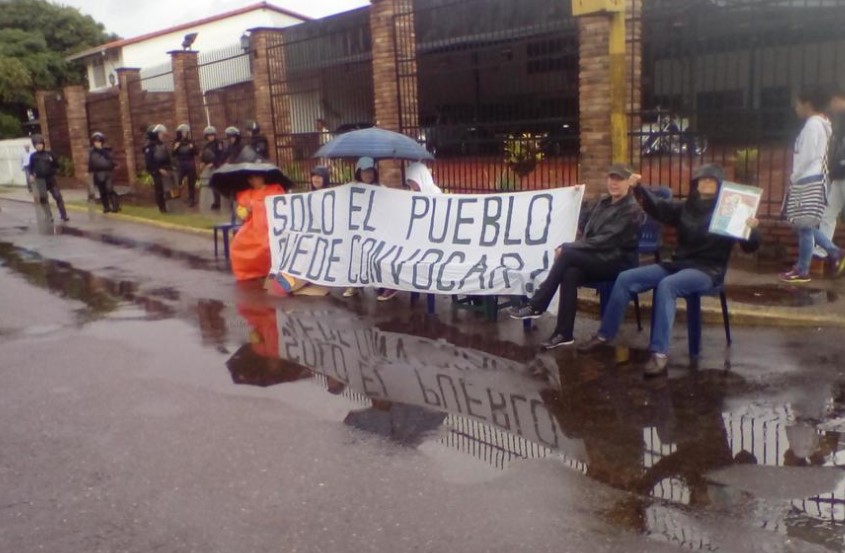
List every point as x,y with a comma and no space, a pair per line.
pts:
694,318
227,230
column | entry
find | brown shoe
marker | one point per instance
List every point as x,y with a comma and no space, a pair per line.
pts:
657,365
592,344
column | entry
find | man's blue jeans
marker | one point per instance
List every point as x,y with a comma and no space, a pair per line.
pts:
670,286
808,238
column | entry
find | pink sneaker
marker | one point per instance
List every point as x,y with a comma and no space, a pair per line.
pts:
794,277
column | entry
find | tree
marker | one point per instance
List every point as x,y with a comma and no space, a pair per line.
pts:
35,37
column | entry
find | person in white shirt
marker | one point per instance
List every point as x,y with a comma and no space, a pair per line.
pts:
27,152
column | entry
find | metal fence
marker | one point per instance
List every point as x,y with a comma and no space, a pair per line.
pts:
489,72
226,82
718,82
321,84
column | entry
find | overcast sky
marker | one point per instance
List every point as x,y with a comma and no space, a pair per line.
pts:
129,19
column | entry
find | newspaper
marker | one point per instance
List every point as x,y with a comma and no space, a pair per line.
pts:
736,204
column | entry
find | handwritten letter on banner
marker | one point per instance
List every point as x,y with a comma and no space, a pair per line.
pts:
359,235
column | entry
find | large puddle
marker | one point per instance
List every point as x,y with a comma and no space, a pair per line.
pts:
686,447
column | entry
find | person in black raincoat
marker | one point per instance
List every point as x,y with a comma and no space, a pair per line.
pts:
185,153
606,247
699,263
101,165
43,167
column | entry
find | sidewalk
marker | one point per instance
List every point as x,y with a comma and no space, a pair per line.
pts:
755,297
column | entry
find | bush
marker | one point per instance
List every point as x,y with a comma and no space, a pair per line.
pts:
65,167
144,179
10,127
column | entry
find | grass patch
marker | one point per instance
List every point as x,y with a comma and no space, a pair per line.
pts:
185,218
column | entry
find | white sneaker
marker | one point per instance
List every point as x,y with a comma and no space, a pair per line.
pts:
350,292
819,252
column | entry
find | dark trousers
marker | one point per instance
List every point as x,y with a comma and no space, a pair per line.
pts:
572,269
189,174
108,197
158,185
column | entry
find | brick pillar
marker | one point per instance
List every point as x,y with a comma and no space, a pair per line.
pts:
187,92
269,85
77,124
594,90
128,77
41,102
394,74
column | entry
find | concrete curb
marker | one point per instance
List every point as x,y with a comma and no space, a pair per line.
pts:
149,222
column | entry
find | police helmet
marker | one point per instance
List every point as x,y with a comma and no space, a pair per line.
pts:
253,127
232,131
98,137
184,128
209,130
159,128
37,139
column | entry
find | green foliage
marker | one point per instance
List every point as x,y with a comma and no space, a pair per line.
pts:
10,126
65,167
35,37
523,152
745,167
144,179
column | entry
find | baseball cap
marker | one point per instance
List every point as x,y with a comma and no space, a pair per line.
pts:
619,170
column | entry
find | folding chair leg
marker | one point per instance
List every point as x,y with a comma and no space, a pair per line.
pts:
694,324
726,318
215,244
637,312
429,302
491,308
226,244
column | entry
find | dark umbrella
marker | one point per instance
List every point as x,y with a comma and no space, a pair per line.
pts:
408,425
231,178
375,143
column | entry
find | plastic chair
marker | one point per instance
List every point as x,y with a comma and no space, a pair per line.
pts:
694,318
227,230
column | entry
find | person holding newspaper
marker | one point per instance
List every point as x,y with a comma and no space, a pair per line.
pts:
699,263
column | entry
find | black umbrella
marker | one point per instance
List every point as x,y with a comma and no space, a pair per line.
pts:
249,367
231,178
375,143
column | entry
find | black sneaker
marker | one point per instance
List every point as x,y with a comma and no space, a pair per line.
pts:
525,312
557,341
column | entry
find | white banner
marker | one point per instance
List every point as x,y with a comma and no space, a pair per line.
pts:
362,235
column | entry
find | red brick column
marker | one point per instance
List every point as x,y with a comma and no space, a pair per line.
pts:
633,72
77,123
187,92
394,74
129,77
594,90
269,83
43,120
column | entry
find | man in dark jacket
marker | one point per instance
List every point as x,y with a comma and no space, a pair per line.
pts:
101,166
213,155
700,263
43,166
159,163
185,153
606,247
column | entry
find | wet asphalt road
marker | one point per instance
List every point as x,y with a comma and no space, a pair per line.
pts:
152,405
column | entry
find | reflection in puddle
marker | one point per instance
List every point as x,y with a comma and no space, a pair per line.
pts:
660,440
780,295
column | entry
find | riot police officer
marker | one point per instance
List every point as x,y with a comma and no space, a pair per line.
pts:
184,150
258,141
237,151
43,166
101,166
159,163
213,156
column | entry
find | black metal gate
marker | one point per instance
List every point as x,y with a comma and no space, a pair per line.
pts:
493,76
718,83
321,84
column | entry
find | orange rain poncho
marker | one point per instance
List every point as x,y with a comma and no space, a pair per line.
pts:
250,251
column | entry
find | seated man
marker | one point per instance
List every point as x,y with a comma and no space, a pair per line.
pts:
607,246
700,263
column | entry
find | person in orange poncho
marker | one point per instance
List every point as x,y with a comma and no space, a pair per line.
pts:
250,251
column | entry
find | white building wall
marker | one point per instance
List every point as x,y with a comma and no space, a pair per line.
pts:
10,162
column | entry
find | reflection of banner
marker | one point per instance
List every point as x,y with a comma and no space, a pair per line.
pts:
359,235
420,371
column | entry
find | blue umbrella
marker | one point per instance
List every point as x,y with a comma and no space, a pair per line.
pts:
375,143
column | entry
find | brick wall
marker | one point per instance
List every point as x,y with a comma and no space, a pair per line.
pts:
231,105
269,79
103,110
54,112
77,122
149,108
187,92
